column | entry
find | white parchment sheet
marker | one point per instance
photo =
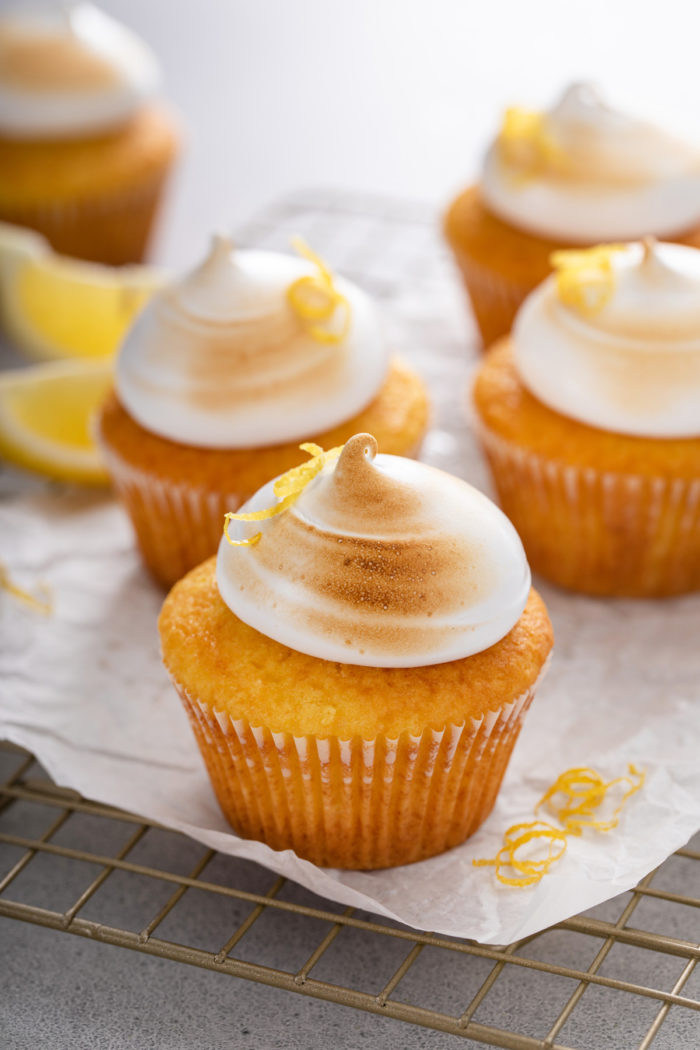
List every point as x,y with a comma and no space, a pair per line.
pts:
84,689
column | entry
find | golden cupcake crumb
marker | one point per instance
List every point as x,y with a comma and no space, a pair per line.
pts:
285,690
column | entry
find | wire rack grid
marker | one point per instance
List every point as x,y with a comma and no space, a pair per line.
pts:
68,863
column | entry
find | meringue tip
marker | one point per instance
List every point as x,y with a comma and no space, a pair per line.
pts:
359,447
649,244
221,244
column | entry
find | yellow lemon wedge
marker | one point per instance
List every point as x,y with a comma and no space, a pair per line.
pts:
46,419
55,307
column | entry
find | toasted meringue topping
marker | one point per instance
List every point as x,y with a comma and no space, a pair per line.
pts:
615,341
381,561
70,71
583,172
222,360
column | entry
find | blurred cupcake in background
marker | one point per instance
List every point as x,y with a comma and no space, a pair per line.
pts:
590,418
84,148
580,173
222,376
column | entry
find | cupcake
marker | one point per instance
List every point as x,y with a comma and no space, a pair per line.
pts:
578,174
590,418
221,377
357,661
84,149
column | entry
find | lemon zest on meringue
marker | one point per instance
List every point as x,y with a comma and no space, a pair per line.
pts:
250,542
42,605
526,144
572,799
585,277
314,298
287,488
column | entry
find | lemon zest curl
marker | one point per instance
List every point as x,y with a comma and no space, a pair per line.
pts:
529,870
585,276
573,798
287,488
42,605
526,143
315,299
580,792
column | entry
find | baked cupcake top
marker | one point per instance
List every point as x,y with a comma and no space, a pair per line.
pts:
583,172
612,338
70,71
375,560
251,349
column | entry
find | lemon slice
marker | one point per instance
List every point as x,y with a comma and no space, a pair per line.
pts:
46,419
55,307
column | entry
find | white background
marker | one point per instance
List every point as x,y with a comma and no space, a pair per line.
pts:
393,96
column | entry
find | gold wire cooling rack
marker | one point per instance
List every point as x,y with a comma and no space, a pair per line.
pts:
70,864
56,822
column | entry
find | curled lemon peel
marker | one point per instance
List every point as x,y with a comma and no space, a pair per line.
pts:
572,799
42,605
526,143
315,299
581,792
530,870
585,277
287,488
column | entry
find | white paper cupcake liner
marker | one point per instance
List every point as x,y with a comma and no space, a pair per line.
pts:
495,300
111,227
600,532
177,526
357,803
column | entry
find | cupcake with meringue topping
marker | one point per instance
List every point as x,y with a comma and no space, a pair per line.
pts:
590,418
357,661
222,376
85,149
578,174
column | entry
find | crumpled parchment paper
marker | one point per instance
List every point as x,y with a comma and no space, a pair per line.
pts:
84,689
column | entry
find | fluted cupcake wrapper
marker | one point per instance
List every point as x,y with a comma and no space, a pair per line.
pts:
357,803
177,526
110,227
494,298
599,532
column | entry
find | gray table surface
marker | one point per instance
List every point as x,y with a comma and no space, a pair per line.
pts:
69,993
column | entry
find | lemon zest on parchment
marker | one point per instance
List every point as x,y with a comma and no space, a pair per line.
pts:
315,299
585,277
287,488
573,799
526,144
42,605
529,869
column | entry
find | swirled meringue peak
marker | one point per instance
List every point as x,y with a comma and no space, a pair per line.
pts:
252,349
375,560
612,339
583,172
70,70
